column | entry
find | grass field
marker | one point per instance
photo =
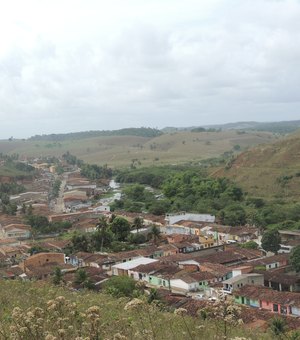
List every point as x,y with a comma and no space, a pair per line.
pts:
119,151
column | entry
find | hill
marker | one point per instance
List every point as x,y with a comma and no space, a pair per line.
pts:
123,150
268,170
282,127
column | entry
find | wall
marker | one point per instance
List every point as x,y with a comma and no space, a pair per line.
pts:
172,219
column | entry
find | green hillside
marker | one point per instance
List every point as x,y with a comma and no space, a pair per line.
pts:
268,170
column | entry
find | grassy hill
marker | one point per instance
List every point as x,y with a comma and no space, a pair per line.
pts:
268,170
119,151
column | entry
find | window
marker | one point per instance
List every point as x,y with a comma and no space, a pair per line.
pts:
275,308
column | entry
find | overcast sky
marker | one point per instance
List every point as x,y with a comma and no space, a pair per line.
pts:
72,65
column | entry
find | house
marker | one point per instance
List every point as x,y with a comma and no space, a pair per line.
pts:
206,241
289,240
167,250
84,259
241,280
185,247
282,279
286,303
15,230
157,274
42,265
270,262
192,282
122,269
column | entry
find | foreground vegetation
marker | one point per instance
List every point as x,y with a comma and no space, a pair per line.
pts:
39,311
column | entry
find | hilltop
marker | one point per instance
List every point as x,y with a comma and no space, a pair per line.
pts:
268,170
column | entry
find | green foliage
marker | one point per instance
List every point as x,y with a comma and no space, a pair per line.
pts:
135,192
278,326
233,215
56,188
249,245
271,241
121,228
37,249
295,258
137,238
80,242
120,286
154,234
41,225
37,222
57,276
94,172
198,129
24,167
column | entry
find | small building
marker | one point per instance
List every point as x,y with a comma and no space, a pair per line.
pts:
238,281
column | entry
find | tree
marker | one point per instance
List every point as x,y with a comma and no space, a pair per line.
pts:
57,276
121,228
120,286
138,223
295,258
271,241
80,242
80,276
101,230
155,234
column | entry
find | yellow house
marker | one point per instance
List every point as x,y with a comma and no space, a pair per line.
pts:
206,241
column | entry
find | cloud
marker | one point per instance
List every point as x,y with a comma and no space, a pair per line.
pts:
85,65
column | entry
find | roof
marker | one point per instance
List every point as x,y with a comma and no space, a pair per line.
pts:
159,268
133,263
16,226
216,269
269,295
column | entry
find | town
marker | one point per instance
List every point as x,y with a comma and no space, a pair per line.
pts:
59,230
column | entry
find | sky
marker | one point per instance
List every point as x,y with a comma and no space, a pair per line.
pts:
77,65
